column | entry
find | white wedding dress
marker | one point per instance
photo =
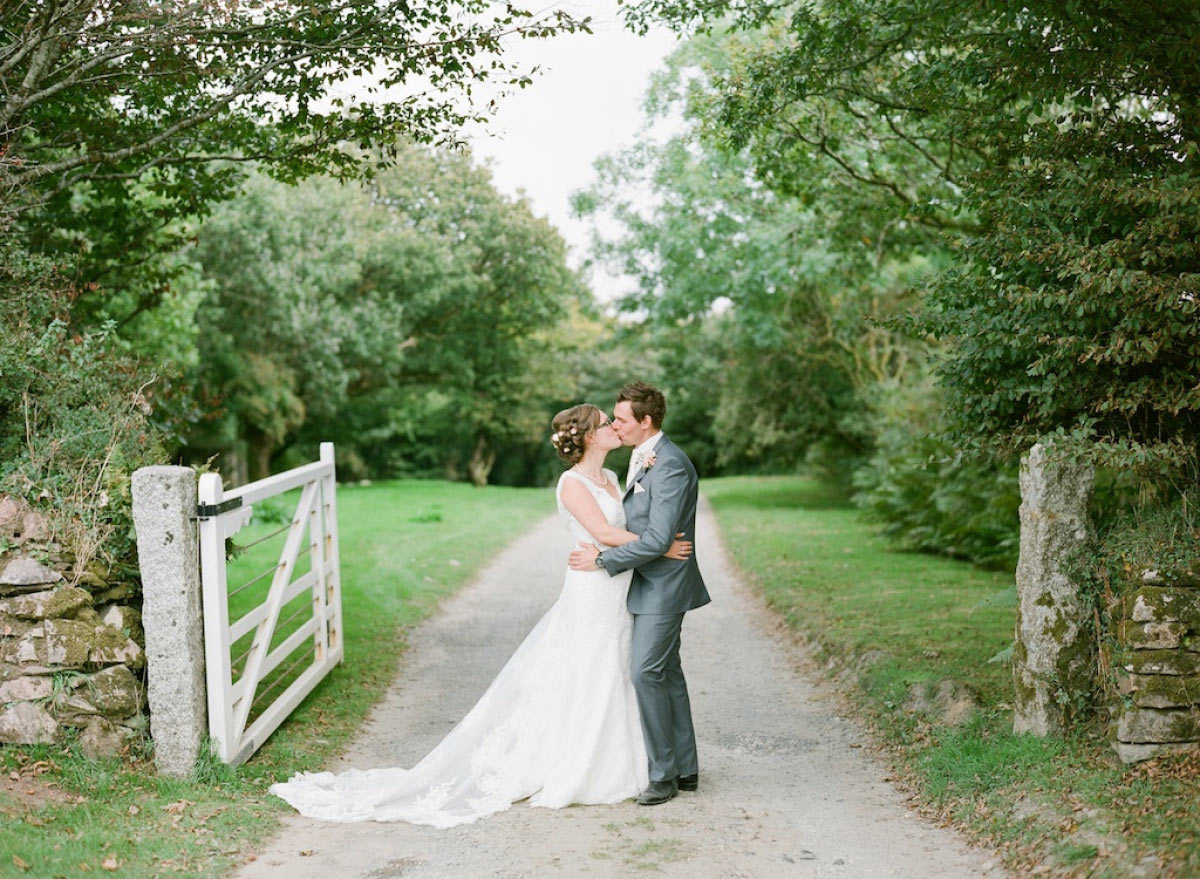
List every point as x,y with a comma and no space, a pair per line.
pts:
558,725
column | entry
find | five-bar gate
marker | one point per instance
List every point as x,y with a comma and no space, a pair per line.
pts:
260,665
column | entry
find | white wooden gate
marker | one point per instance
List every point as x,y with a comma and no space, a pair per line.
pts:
240,714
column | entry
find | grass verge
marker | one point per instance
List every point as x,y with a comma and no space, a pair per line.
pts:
1057,807
404,546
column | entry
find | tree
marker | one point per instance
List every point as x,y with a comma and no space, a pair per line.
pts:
342,310
117,94
122,123
1054,143
779,299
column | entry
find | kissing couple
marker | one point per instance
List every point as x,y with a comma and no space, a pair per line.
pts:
593,706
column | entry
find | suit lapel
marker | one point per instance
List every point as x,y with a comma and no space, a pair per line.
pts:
658,447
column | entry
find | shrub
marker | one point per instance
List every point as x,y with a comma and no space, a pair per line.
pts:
73,413
932,497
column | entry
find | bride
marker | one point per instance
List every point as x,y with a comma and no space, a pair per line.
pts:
559,724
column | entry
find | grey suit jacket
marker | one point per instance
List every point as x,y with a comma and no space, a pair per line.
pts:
664,506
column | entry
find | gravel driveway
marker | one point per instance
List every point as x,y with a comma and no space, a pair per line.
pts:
784,789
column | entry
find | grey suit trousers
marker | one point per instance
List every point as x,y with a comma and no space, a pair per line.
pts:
662,696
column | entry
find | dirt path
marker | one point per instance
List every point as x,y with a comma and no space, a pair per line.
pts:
784,791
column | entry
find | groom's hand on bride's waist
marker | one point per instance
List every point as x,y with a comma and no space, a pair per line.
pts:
584,558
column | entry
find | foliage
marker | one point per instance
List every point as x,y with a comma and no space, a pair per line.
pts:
1053,143
1089,324
411,321
725,264
122,124
73,412
931,496
108,97
1162,537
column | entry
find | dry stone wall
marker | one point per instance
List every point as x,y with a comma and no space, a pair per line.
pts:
1159,636
71,643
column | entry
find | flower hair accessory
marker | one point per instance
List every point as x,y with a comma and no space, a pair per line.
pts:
564,441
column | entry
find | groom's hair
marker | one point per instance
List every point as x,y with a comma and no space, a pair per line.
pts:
645,400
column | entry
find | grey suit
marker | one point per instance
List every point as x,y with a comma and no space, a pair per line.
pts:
660,503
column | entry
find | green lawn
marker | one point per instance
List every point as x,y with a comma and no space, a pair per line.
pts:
404,545
900,618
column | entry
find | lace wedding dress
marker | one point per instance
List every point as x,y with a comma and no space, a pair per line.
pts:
558,725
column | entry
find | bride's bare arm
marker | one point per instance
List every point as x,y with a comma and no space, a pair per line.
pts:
582,505
579,501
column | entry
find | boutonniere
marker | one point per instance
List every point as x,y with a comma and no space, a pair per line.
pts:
649,462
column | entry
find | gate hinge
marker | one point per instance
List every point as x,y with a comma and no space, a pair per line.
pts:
208,511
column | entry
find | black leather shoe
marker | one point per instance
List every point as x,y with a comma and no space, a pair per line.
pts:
689,782
658,792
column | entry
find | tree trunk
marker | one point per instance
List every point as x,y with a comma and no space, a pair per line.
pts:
261,446
482,461
1052,657
234,466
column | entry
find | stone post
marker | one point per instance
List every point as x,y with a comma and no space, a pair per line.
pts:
164,504
1052,654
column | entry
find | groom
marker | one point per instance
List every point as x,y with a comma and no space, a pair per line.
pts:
660,502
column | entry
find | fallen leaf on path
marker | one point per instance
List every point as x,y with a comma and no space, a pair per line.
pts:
306,853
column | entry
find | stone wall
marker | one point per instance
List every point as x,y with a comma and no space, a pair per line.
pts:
71,643
1159,636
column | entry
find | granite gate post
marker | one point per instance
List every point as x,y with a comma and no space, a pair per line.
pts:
1052,653
164,509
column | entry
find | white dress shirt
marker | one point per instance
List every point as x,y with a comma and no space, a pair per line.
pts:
644,448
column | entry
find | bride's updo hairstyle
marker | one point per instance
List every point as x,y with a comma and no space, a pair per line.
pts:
569,429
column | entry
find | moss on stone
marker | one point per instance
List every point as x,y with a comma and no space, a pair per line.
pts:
14,627
1165,604
46,604
1164,662
1153,636
113,692
109,645
1166,691
116,593
87,614
1159,725
67,643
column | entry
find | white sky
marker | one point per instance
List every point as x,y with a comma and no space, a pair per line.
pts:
587,101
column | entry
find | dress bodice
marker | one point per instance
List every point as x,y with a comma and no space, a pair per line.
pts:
613,509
